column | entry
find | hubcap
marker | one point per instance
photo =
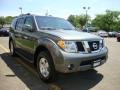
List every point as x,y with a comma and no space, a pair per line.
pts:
11,48
44,67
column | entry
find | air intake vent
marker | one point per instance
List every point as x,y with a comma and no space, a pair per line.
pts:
80,46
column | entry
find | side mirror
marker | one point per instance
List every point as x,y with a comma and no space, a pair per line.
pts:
28,27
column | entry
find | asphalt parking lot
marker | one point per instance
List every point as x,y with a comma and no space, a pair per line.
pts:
17,74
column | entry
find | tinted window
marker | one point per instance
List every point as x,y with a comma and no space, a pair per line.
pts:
13,23
51,23
19,24
29,21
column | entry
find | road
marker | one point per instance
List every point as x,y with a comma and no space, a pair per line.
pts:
17,74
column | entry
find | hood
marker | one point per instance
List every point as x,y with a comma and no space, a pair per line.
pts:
72,34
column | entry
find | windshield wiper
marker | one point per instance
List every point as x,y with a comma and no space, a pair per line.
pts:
48,28
52,28
68,29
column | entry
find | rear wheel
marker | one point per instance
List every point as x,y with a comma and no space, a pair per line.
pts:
45,66
12,49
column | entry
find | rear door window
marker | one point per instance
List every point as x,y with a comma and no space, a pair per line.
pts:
13,23
20,23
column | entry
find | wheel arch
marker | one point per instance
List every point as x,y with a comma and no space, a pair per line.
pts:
10,39
39,49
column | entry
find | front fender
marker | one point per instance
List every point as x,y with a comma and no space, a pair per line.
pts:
53,48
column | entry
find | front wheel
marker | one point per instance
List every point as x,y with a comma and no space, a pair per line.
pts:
45,66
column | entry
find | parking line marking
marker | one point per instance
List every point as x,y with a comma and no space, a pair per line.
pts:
27,67
53,86
19,61
5,49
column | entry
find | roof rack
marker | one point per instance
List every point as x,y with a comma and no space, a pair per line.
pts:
25,14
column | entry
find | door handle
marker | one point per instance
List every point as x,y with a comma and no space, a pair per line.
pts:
17,35
25,37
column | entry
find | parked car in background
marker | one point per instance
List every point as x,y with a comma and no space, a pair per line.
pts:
89,30
112,34
4,31
118,37
102,33
85,30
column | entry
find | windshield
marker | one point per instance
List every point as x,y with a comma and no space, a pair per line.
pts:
53,23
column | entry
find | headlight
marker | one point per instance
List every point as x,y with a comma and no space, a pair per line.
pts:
68,46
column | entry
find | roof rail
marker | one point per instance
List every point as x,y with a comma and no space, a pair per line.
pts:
28,13
25,14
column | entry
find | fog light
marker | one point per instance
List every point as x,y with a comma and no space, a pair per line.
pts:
70,66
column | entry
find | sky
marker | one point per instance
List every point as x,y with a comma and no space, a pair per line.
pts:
58,8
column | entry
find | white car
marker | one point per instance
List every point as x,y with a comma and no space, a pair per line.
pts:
102,33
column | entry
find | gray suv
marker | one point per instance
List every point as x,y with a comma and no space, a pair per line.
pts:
53,45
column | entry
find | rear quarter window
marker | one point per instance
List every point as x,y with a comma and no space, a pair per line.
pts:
13,23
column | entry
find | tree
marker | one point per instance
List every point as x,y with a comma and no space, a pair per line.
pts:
2,21
78,20
109,21
98,21
82,20
77,24
71,19
8,19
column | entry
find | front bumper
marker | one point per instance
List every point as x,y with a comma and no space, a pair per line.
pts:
73,62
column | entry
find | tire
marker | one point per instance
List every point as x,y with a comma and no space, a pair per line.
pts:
12,49
45,67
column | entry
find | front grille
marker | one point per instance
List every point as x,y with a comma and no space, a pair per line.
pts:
94,45
80,46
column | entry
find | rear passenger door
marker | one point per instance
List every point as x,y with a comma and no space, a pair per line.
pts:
18,33
28,38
